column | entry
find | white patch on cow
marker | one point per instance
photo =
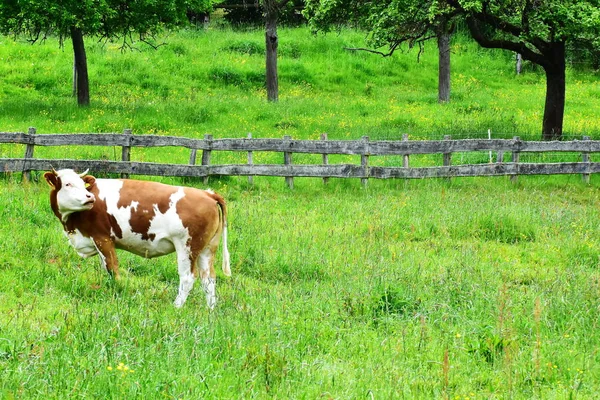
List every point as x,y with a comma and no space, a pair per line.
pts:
210,191
109,190
72,196
166,228
84,246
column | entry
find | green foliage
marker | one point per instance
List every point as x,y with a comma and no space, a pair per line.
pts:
251,12
395,21
108,19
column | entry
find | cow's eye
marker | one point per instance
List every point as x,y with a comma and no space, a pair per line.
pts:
68,185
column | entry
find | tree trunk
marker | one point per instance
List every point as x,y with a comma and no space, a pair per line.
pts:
554,108
81,74
271,42
443,38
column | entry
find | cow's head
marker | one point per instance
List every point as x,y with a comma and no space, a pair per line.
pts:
70,191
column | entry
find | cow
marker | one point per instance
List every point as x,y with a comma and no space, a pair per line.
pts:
146,218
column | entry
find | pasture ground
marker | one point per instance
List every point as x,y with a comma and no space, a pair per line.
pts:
476,288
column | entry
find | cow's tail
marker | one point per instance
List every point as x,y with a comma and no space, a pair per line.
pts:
221,202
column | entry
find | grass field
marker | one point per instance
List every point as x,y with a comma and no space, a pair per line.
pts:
464,289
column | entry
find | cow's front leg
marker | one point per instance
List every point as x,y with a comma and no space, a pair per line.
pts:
108,256
186,276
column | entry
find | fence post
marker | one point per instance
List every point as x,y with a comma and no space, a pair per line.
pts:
447,156
206,155
28,154
193,156
250,162
585,157
287,160
405,156
515,160
500,157
364,161
325,158
126,151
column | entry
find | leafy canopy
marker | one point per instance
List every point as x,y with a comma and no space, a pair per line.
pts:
528,22
108,19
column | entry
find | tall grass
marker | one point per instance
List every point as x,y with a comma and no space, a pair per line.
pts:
212,82
475,288
470,288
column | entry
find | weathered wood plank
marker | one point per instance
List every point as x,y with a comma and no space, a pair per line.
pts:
29,154
515,160
405,157
126,150
16,138
250,162
287,160
325,158
350,147
585,157
317,171
206,154
447,157
364,160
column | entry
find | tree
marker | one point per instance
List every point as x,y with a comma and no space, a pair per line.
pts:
539,30
106,19
272,8
390,23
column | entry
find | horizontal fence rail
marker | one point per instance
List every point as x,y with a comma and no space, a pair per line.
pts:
287,146
349,147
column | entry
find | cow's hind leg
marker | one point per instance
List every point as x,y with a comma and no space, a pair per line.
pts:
185,260
208,275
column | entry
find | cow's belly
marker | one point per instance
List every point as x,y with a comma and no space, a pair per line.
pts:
84,246
145,248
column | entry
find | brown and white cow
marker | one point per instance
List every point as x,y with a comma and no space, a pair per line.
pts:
149,219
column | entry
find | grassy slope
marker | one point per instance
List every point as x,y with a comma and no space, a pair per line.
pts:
211,82
337,291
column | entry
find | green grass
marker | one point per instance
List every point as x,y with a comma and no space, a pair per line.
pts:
336,291
472,288
212,82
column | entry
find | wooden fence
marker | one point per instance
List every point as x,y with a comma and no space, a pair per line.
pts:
506,161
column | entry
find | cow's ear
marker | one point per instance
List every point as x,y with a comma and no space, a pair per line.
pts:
90,181
51,179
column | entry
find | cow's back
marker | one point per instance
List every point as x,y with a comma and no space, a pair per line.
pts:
147,218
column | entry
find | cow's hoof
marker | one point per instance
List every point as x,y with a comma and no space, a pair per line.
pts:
178,303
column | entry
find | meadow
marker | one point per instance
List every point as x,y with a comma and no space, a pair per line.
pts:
463,289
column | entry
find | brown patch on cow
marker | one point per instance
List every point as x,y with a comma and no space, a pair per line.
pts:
115,226
96,223
142,215
140,220
199,213
55,183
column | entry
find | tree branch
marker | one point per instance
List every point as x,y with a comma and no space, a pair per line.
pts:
411,42
517,47
381,53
